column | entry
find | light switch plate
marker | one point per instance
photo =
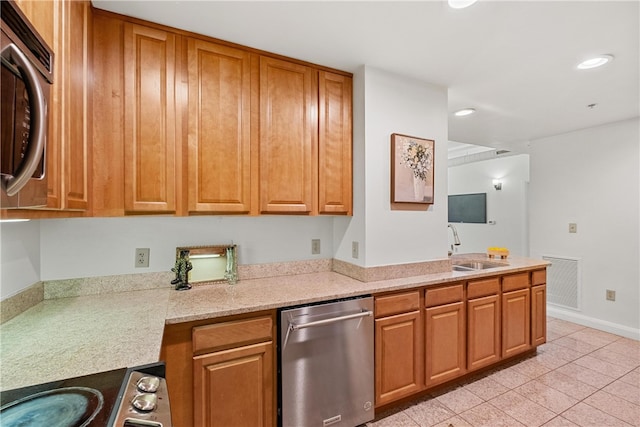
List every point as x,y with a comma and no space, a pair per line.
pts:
573,227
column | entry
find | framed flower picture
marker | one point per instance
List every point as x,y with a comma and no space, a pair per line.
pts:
412,162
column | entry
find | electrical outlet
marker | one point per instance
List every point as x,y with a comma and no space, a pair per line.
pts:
611,295
315,246
142,257
573,227
354,250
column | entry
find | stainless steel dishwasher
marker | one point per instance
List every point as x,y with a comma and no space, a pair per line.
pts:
326,364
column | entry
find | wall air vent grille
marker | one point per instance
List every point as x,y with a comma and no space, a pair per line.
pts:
478,157
563,281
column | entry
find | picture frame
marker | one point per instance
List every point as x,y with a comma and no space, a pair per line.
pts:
412,167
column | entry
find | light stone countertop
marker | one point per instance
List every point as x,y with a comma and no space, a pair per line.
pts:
69,337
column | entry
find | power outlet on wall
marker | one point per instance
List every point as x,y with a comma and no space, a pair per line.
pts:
315,246
354,250
142,257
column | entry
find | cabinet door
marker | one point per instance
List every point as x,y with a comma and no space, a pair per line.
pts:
76,146
445,343
220,128
149,120
483,345
515,322
288,137
538,315
334,144
234,387
398,357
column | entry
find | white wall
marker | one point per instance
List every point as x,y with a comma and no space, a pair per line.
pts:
89,247
507,207
386,103
19,256
591,177
352,229
396,104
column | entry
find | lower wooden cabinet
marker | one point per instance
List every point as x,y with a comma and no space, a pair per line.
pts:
483,342
234,387
515,322
222,374
483,323
445,334
445,343
399,353
538,315
466,326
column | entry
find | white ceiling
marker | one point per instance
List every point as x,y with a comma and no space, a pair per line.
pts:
513,61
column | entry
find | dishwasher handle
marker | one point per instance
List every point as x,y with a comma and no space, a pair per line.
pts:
297,326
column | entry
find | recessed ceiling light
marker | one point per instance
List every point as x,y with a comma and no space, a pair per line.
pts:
597,61
464,112
460,4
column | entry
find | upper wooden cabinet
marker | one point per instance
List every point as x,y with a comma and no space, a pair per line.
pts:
288,137
195,126
221,134
78,119
149,120
335,144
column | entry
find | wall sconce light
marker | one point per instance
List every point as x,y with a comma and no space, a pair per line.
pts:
497,184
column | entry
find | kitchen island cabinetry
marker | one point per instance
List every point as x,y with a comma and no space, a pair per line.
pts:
399,354
468,325
483,314
445,338
222,373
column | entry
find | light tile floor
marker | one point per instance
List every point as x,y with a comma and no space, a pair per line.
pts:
580,377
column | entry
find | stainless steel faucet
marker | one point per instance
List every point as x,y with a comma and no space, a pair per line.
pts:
456,239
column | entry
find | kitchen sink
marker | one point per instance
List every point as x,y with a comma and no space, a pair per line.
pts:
475,265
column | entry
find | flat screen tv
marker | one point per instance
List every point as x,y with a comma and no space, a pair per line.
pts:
470,208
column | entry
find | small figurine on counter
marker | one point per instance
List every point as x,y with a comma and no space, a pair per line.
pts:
182,268
230,273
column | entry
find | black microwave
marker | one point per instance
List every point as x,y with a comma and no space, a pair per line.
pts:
27,74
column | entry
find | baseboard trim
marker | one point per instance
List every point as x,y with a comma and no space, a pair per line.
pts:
591,322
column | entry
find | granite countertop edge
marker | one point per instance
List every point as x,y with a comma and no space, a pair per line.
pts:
254,295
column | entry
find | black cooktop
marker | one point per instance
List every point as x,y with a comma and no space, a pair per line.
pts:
65,403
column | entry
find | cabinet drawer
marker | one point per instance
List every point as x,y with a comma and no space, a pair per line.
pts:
515,281
538,277
397,303
447,295
232,334
481,288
